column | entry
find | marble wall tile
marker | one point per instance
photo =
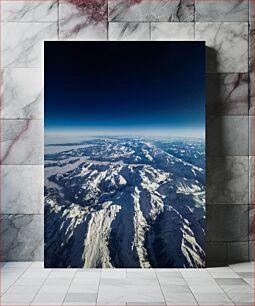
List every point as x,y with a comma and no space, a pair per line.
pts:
227,180
227,135
22,237
172,31
78,22
251,135
251,180
251,93
21,93
151,10
227,45
22,43
22,189
251,250
23,10
129,31
251,10
251,222
227,93
216,252
237,252
234,10
251,69
22,142
227,223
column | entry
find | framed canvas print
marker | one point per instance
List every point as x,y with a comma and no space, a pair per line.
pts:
124,154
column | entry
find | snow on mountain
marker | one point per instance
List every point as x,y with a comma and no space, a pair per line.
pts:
127,203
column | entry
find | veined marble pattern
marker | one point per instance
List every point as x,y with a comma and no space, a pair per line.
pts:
129,31
251,135
23,10
22,93
227,223
151,10
238,251
251,10
76,24
22,142
182,31
251,68
227,180
22,189
22,237
251,220
22,42
251,180
227,94
234,10
227,43
227,136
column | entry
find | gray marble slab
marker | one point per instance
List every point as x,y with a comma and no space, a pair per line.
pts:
22,93
234,10
251,222
22,142
216,252
227,180
82,20
182,31
22,43
23,10
227,223
144,10
22,237
129,31
251,10
251,250
251,180
227,45
251,135
251,69
22,189
227,93
238,251
227,135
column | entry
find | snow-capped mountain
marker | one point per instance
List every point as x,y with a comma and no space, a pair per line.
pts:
125,202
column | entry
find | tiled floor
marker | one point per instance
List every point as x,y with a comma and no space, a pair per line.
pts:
27,283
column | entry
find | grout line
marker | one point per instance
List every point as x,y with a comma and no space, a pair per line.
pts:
15,280
229,292
69,286
189,287
155,271
98,286
40,287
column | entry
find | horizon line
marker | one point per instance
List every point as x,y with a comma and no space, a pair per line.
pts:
163,132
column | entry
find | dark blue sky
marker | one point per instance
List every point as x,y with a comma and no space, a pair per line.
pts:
124,84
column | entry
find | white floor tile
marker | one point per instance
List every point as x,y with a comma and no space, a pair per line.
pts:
213,299
242,299
237,289
195,273
43,298
243,267
206,289
222,272
30,283
114,273
18,264
180,299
